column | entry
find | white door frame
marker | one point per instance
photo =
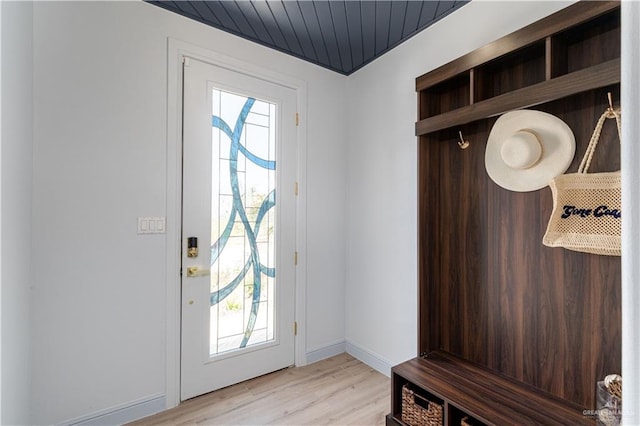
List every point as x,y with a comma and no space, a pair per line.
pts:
176,51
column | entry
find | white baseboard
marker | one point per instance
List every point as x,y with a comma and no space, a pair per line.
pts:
326,352
135,410
374,361
123,413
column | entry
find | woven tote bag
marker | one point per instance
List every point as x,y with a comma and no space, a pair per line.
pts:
587,207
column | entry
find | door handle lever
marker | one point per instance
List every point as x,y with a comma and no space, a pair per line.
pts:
195,271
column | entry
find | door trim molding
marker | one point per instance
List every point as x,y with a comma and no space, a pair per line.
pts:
176,50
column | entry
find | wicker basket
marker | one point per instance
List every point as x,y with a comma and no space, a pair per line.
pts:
423,413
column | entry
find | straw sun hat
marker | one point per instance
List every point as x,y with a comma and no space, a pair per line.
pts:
527,148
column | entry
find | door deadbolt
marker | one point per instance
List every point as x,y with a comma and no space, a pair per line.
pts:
192,247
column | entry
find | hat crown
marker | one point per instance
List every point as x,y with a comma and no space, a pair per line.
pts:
521,150
527,148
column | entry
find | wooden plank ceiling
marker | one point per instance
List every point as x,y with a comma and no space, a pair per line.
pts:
341,35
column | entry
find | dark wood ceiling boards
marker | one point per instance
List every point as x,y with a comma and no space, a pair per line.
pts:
341,35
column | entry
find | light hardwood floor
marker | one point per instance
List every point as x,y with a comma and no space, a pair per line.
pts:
336,391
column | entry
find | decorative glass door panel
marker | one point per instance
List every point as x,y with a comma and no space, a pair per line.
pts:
243,204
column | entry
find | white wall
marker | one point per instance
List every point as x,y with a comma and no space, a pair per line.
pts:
16,177
381,290
100,162
630,153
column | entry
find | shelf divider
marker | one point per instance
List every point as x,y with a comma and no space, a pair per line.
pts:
548,58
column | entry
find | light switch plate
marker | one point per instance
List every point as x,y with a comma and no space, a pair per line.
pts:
151,225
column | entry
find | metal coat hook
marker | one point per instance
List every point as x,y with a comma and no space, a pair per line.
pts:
610,101
463,144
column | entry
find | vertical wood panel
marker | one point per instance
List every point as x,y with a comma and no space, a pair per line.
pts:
313,28
220,12
328,33
294,14
383,11
428,12
285,25
368,15
341,28
354,24
266,17
412,17
187,9
239,19
444,7
495,295
254,20
396,21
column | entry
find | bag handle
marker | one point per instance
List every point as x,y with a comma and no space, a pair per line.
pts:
588,155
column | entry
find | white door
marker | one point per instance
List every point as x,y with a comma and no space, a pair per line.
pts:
238,227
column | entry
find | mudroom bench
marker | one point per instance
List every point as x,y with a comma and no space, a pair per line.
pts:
471,392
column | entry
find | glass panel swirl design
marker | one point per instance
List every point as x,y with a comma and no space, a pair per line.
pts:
242,222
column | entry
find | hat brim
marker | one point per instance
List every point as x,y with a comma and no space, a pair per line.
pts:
558,148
